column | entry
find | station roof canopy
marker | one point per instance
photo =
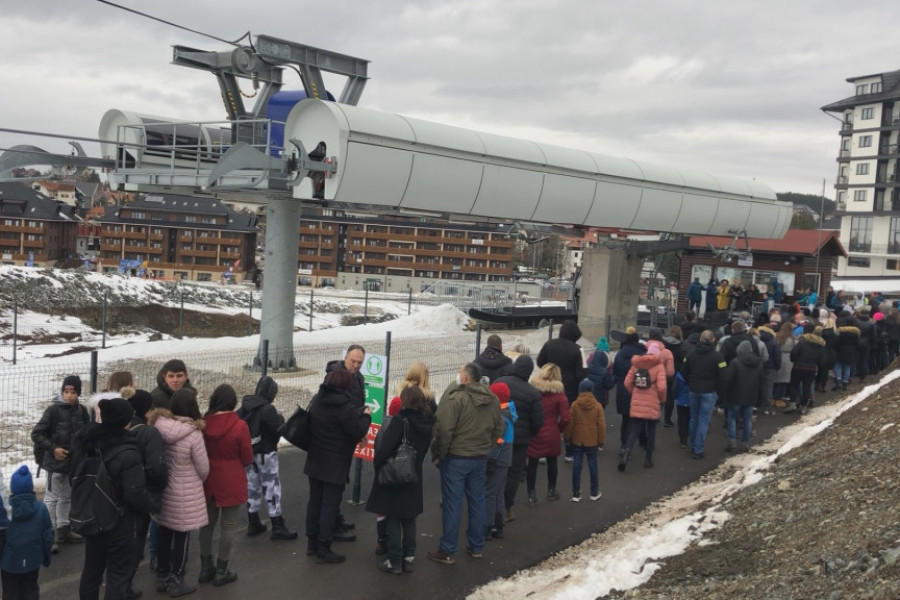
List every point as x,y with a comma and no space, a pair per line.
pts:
803,242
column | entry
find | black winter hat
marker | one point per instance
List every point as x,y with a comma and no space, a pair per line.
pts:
74,381
141,401
524,366
115,412
266,388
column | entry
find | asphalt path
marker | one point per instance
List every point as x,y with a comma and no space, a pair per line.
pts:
268,569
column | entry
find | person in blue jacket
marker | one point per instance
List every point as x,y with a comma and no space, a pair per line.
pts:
29,538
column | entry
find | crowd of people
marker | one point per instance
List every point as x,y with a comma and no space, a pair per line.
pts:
174,470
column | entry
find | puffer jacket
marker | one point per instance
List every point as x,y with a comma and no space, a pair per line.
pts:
56,429
162,393
556,417
587,424
809,353
494,364
183,501
29,536
153,455
645,403
767,336
228,448
847,344
599,372
527,399
744,377
565,353
665,356
338,425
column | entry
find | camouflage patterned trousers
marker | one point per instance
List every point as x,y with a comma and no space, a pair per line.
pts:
262,478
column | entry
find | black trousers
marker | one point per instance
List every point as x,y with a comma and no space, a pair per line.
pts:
531,473
111,553
20,586
520,454
171,551
323,509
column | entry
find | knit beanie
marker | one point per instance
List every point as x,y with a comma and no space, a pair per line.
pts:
501,390
20,482
586,385
141,401
74,381
603,345
115,412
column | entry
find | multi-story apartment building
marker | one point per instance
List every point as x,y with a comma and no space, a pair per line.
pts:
35,229
404,249
177,237
867,190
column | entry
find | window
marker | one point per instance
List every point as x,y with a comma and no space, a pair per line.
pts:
862,89
859,195
855,261
867,113
894,236
861,234
845,144
865,141
876,87
862,169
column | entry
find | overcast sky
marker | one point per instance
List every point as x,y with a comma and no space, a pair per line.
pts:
730,88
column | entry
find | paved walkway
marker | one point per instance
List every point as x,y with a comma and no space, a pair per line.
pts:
269,569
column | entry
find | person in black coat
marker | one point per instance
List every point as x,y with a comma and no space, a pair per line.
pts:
113,551
746,377
867,342
156,470
807,357
263,475
712,292
630,347
846,348
530,410
401,505
565,353
337,426
494,364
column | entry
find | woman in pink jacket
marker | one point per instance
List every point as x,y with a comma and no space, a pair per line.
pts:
183,501
646,382
228,447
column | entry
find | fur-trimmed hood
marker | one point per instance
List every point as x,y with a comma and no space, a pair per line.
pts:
547,387
848,329
172,427
813,338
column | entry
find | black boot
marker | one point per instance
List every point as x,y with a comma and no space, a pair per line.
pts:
178,587
326,556
342,535
623,460
312,546
648,461
224,575
255,526
280,530
207,569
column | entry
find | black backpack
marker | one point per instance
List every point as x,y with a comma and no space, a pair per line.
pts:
96,506
642,379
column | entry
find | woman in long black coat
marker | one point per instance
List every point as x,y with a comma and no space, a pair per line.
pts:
337,426
401,505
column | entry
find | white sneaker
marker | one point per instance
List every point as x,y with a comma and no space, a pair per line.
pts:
569,459
597,496
576,498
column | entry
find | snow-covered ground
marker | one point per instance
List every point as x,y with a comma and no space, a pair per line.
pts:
624,556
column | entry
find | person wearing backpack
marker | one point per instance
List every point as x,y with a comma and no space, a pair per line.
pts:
263,420
107,502
156,471
600,373
52,438
646,382
28,538
183,502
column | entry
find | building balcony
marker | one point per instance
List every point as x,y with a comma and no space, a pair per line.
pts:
876,249
198,253
33,244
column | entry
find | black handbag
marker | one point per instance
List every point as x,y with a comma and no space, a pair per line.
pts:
298,428
400,468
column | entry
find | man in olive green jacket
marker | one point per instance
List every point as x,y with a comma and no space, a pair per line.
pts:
468,424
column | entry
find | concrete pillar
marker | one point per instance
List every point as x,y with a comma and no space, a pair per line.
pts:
280,282
610,291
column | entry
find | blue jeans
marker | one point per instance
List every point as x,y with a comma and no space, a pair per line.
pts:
702,406
745,414
842,372
462,477
589,452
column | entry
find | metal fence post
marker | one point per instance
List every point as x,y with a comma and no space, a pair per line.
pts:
366,308
103,319
409,303
550,330
608,325
310,308
250,316
265,357
15,338
94,371
181,318
478,341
